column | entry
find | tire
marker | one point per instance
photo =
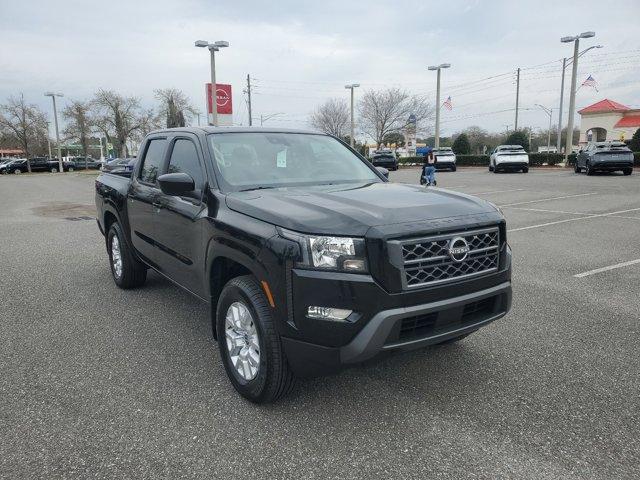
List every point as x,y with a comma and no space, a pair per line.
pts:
627,171
240,333
454,168
588,169
53,170
454,339
576,168
491,169
17,171
495,169
70,169
130,273
525,170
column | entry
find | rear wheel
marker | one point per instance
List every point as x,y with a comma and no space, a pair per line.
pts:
490,168
249,343
70,169
576,168
127,271
627,171
17,171
525,170
54,170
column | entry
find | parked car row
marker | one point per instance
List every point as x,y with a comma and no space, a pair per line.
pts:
44,164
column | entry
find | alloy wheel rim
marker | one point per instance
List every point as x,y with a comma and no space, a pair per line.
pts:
116,256
242,341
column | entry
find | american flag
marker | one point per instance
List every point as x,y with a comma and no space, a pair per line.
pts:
447,104
590,82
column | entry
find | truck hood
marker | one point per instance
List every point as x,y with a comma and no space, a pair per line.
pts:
353,209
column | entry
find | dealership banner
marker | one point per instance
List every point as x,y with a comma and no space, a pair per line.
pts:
223,97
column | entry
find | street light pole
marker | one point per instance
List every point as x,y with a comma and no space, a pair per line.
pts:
438,68
351,139
564,67
213,48
55,117
548,111
572,98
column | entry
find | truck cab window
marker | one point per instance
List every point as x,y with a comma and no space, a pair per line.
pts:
153,159
184,159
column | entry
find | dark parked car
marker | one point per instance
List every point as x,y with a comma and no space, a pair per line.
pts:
309,258
7,166
86,163
119,165
605,157
385,160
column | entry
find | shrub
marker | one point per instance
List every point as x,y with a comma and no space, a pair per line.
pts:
461,145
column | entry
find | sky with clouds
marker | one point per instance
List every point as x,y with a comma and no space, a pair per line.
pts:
301,53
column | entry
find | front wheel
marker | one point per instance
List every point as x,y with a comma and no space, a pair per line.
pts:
249,343
589,170
454,168
627,171
525,170
70,169
54,170
490,168
17,171
126,270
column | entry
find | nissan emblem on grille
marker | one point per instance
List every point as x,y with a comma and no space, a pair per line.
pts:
449,256
458,249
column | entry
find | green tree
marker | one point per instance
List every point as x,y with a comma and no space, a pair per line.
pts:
634,144
461,145
518,137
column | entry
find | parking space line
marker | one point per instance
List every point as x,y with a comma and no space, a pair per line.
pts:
550,211
548,199
497,191
606,269
597,215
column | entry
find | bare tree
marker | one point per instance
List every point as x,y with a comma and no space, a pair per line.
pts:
24,124
80,124
175,107
386,111
120,118
332,117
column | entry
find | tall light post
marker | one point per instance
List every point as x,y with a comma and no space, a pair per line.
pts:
213,48
548,111
438,68
565,62
351,86
55,117
572,99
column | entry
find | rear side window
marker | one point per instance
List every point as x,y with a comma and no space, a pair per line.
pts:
184,159
153,159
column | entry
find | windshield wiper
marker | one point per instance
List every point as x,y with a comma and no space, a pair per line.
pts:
262,187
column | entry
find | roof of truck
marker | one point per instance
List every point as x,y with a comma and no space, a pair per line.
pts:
210,129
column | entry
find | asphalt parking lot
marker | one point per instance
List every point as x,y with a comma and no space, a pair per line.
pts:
99,382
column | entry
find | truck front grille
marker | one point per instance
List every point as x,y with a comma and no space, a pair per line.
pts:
429,261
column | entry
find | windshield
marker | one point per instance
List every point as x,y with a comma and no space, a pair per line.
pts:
252,160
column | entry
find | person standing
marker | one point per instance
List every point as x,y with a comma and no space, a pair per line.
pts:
430,169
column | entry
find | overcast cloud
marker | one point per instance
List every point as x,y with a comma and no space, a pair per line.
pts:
300,53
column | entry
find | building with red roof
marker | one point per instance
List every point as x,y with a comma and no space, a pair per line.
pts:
608,120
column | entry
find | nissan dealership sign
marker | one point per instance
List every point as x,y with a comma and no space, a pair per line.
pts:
223,101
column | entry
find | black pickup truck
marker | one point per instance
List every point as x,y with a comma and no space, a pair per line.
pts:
310,258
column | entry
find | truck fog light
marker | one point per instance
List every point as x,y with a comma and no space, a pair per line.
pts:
354,265
328,313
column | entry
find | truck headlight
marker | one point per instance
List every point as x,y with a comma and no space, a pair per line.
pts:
331,253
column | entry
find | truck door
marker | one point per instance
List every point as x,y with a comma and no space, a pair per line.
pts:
180,219
143,199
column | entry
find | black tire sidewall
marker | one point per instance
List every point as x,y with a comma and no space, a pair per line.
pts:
252,389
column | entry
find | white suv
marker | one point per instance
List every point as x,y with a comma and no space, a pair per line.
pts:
509,158
446,159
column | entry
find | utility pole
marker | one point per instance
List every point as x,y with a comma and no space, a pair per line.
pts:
55,117
438,68
249,98
548,111
351,86
572,98
48,140
517,99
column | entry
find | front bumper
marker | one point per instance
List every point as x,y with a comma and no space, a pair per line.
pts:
386,322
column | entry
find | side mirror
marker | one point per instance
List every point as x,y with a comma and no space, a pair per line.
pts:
383,171
176,183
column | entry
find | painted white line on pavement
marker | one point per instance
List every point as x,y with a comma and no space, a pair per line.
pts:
548,199
497,191
606,269
599,215
550,211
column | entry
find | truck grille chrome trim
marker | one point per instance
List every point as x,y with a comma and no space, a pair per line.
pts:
434,260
